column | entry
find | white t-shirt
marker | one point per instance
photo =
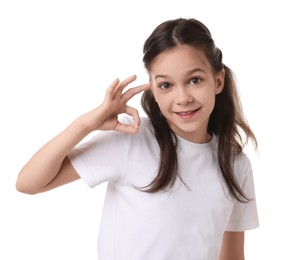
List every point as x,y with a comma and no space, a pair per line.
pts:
177,224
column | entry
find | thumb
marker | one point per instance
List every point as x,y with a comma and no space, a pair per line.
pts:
130,127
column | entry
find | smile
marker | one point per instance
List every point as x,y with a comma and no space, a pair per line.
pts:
187,114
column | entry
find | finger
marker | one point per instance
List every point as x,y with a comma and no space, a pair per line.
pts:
111,89
127,128
135,115
134,91
120,87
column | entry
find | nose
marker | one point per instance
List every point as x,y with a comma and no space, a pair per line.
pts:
183,96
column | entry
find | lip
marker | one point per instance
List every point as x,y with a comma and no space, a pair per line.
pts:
187,114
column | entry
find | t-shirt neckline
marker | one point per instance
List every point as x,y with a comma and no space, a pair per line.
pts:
185,144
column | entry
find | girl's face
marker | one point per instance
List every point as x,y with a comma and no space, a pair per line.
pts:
184,86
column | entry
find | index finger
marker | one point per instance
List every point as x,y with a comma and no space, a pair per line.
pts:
135,90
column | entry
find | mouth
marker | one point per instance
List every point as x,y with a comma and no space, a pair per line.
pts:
187,114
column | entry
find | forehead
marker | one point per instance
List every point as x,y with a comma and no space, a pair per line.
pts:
179,58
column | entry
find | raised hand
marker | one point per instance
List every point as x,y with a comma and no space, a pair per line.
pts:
105,117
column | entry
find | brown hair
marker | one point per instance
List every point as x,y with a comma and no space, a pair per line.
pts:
226,121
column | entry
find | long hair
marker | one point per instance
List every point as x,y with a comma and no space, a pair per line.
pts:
226,120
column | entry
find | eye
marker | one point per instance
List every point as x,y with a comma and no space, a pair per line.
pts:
195,80
164,86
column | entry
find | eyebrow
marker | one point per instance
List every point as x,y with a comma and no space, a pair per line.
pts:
188,73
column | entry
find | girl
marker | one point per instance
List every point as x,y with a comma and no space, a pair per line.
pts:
179,184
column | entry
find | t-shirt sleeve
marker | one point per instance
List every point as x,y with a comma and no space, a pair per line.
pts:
101,158
244,215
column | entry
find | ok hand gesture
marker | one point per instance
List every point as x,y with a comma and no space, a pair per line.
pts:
105,117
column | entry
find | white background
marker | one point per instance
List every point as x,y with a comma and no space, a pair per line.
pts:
56,60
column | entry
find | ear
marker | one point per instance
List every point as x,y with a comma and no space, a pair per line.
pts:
220,80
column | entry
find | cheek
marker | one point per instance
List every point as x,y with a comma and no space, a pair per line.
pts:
210,100
207,99
164,103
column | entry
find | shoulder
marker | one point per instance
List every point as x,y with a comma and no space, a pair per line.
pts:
146,128
241,165
145,121
242,168
118,139
242,161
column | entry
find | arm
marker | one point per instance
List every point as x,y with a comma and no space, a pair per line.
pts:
50,166
233,246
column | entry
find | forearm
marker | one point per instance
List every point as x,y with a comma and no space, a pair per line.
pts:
232,246
43,167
